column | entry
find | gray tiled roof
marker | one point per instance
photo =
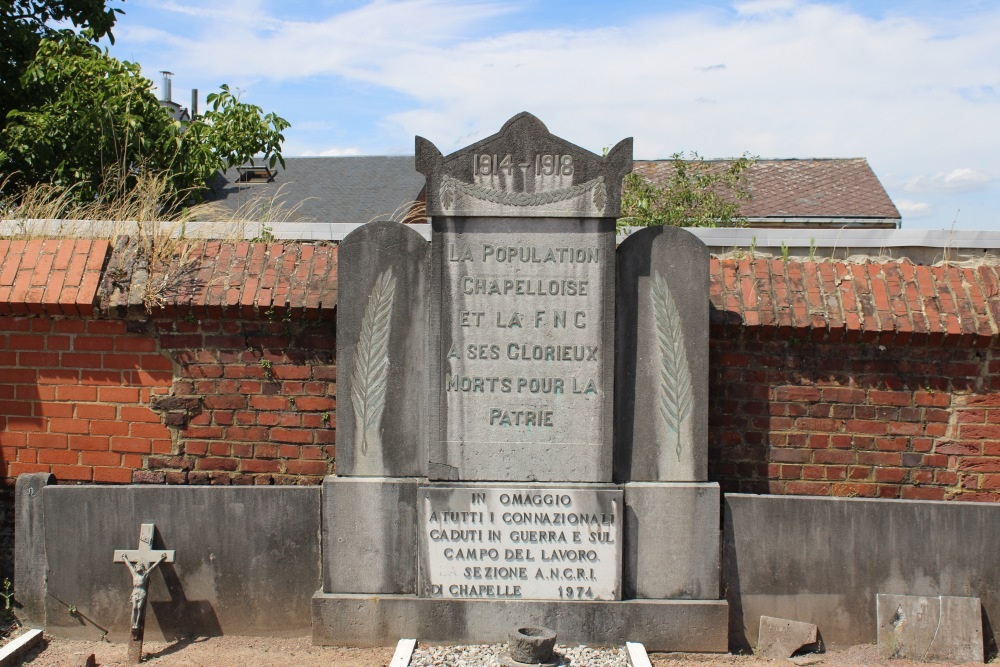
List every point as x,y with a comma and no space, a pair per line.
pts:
331,189
360,189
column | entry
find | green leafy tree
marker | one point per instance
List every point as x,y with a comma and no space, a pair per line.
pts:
23,25
92,114
696,193
96,118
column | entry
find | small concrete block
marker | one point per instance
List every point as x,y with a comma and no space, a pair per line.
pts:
672,537
928,628
10,654
370,535
781,638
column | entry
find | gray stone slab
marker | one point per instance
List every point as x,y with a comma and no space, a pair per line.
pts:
524,542
382,340
29,545
370,535
524,171
524,357
825,559
672,540
781,638
672,625
247,559
661,389
931,629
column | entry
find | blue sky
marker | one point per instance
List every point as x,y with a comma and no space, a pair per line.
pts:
911,85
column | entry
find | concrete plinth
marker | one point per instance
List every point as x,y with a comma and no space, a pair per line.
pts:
672,540
660,625
370,534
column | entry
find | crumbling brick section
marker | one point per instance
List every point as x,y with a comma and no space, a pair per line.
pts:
253,403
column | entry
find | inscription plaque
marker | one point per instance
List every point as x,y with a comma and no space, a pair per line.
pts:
520,543
525,352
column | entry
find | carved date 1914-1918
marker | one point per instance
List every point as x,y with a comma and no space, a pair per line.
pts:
547,164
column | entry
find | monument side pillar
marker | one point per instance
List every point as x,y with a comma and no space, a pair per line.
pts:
369,507
661,416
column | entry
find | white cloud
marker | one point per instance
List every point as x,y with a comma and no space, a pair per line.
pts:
755,7
332,152
964,179
913,209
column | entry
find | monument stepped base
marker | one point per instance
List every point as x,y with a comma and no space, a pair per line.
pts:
697,626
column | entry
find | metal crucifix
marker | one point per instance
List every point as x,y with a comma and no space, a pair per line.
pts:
141,562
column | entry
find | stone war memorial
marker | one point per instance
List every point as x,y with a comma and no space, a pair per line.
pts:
522,432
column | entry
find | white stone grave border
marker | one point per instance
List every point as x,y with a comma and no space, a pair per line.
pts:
11,654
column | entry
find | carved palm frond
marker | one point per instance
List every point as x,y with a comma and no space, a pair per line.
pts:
675,375
371,361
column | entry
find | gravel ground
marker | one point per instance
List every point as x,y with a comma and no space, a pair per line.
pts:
490,656
299,652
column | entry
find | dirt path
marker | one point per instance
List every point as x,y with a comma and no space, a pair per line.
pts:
299,652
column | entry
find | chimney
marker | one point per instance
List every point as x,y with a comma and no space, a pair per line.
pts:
194,103
165,92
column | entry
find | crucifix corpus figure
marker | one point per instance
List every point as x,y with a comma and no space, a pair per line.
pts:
141,562
140,583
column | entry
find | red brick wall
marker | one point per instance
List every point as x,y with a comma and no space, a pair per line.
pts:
74,397
870,380
232,381
874,380
796,417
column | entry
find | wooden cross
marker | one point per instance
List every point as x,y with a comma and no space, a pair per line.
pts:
141,562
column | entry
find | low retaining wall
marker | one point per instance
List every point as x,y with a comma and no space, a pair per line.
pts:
823,560
247,559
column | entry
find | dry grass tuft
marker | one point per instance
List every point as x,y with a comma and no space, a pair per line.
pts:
252,219
407,213
142,216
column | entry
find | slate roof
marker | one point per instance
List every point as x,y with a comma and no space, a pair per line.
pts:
331,189
795,193
821,189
